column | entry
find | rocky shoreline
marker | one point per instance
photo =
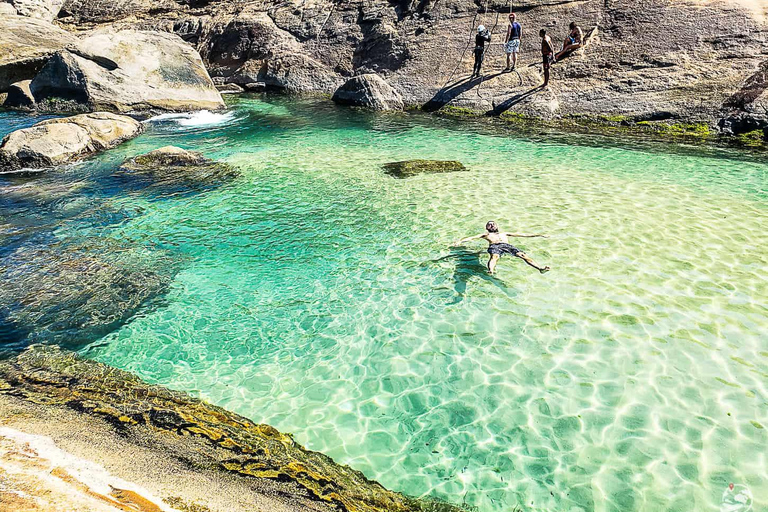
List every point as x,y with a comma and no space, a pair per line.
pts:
653,65
192,455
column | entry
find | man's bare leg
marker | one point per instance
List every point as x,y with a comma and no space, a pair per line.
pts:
508,60
529,261
514,60
492,263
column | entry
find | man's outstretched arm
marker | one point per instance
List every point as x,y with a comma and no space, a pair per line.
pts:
524,235
468,239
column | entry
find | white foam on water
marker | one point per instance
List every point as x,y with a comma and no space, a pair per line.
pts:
44,450
201,118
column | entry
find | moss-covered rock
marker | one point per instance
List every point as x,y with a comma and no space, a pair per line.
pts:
460,112
178,169
408,168
50,376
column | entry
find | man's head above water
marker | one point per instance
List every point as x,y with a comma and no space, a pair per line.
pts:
491,227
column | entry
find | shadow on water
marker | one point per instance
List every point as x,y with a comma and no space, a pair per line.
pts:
467,265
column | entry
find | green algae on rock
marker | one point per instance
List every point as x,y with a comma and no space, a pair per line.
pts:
50,376
408,168
171,166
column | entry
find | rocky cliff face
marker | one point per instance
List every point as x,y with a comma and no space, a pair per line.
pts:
650,59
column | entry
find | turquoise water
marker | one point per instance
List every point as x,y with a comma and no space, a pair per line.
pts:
319,295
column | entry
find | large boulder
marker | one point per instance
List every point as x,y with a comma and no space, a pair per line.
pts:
250,48
25,46
42,9
20,97
174,169
128,71
58,141
370,91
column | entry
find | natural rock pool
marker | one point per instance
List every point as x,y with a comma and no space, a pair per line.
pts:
318,294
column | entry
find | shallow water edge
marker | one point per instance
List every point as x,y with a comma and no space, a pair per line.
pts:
198,434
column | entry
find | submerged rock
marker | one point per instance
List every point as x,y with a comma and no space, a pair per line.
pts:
410,168
73,295
58,141
128,71
369,91
174,167
196,432
25,46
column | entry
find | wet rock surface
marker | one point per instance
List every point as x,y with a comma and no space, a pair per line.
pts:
409,168
173,168
199,433
58,141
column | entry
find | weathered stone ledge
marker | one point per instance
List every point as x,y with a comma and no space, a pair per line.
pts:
201,435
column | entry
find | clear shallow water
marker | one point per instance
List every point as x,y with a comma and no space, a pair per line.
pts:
319,295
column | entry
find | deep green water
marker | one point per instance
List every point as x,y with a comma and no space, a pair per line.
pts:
319,295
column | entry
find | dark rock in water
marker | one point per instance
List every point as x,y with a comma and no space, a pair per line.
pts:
176,168
369,91
410,168
73,295
196,432
20,97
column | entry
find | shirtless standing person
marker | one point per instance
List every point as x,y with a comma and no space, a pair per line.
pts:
574,41
512,42
498,244
547,50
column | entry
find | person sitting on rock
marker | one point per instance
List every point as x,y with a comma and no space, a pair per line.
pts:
512,42
574,41
547,50
498,245
482,37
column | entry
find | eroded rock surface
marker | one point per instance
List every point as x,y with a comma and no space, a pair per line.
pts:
20,96
46,10
128,71
679,60
230,442
369,91
409,168
25,45
57,141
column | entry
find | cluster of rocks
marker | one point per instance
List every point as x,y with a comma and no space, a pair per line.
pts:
647,59
43,67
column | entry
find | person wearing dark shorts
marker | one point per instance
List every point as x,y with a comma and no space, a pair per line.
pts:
498,245
481,39
547,54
